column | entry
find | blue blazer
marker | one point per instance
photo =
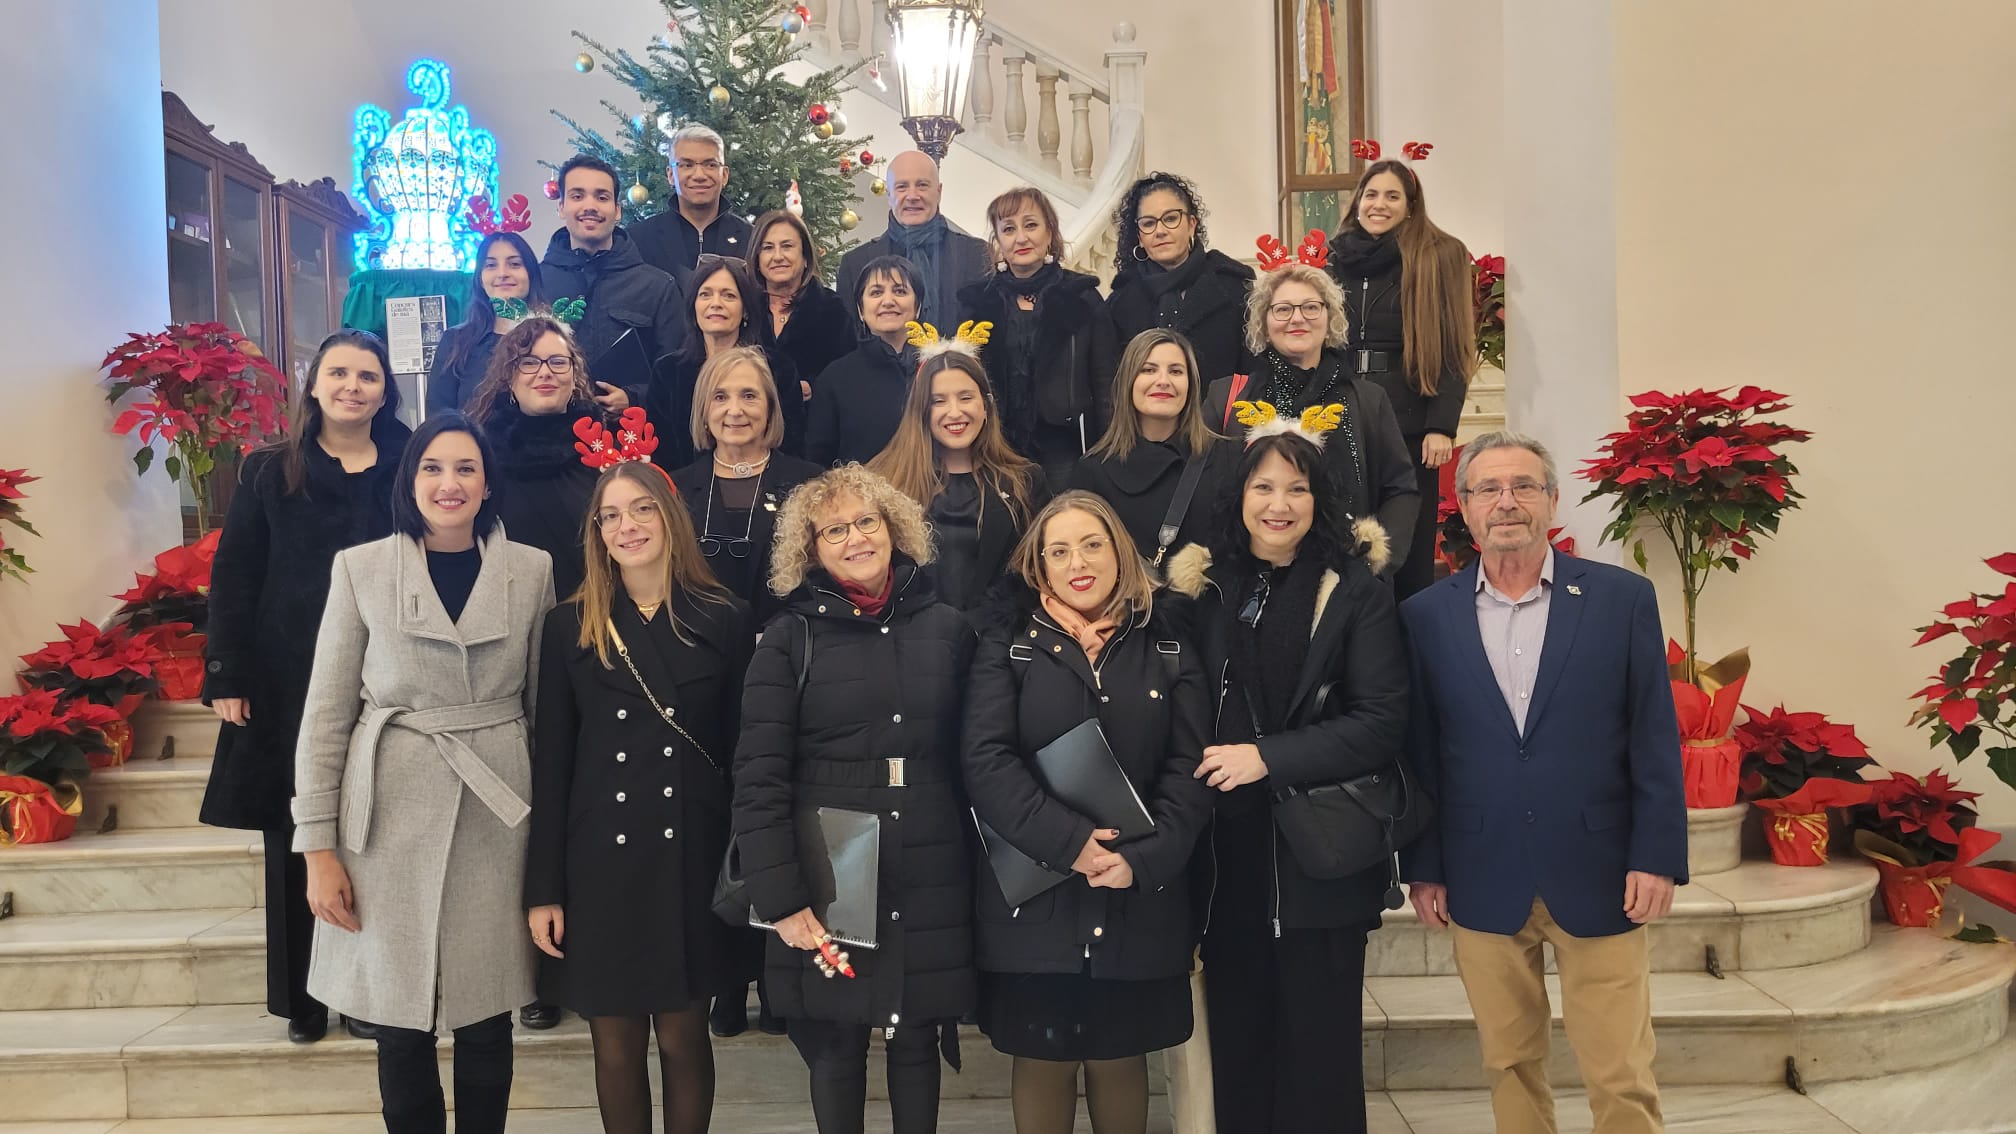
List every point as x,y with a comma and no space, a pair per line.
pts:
1590,790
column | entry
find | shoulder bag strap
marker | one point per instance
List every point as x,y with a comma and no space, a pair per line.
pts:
1179,505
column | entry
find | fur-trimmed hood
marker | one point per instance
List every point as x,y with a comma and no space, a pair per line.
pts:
1189,569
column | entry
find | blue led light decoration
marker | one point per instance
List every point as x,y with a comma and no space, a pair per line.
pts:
415,179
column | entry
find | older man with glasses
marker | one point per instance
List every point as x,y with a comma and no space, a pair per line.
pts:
1543,725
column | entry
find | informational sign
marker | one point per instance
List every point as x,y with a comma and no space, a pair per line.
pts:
413,329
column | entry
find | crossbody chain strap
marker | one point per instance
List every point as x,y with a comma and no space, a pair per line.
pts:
623,651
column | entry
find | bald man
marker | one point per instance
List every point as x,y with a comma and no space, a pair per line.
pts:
946,259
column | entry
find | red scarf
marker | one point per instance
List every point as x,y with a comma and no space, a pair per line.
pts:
870,604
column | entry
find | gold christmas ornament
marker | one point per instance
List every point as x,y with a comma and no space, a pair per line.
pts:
848,219
878,186
824,130
584,62
719,96
639,195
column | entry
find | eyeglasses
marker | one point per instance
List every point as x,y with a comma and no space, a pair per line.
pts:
1523,491
867,523
640,511
711,165
1090,548
736,546
1168,220
558,364
1282,312
1256,603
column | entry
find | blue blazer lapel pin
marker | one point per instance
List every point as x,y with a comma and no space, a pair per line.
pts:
1573,589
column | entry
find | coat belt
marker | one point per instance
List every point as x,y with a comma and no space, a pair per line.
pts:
442,725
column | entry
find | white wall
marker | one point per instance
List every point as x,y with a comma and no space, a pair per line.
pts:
1438,75
93,81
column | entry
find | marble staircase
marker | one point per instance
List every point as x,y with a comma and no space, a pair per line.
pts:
131,972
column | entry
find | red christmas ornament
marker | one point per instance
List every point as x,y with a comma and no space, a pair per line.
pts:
552,189
867,158
818,114
804,13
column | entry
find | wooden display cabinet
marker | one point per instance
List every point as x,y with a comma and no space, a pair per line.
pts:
314,230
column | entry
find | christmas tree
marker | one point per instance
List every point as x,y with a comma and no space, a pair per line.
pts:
722,66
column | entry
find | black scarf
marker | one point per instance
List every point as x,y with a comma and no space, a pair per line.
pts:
1360,255
922,244
1168,286
538,446
1014,359
1267,657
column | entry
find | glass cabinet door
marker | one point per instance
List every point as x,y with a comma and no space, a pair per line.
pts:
192,282
308,289
244,276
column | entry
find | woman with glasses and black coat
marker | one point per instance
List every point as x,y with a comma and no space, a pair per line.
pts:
1311,678
1165,276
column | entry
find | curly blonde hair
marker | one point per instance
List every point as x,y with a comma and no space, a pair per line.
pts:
794,551
1261,298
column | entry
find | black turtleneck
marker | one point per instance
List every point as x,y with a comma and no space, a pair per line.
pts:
541,489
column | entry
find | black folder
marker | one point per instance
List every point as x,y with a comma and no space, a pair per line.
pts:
1080,771
840,856
625,364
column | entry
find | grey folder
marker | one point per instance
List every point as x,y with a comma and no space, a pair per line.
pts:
840,855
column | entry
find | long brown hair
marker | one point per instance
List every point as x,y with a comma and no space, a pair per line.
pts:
686,570
1438,326
1123,433
493,394
304,420
1133,587
910,461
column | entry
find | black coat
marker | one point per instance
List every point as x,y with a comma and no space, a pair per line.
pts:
623,293
1211,313
1075,351
629,819
1372,305
450,385
267,588
1380,473
542,488
752,573
670,405
820,331
1141,485
962,260
669,242
1030,685
875,689
1348,717
857,403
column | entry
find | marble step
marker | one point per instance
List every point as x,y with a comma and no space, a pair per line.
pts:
146,794
1757,916
1908,1002
185,728
170,868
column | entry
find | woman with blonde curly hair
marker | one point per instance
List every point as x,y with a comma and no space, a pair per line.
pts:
854,701
1295,327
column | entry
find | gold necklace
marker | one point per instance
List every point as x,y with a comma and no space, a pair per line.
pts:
647,610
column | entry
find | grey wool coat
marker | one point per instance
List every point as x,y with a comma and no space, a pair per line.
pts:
414,766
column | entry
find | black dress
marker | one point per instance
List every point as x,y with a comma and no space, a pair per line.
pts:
734,524
670,406
1051,366
1140,486
1080,973
542,488
955,519
629,816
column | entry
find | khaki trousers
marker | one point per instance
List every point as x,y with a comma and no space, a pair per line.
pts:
1606,1002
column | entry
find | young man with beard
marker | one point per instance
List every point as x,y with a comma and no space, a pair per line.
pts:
700,223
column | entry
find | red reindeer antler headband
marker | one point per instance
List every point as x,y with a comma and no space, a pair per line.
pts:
1367,149
517,215
633,439
1314,252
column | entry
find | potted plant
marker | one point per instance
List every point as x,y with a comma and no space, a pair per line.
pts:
47,745
209,391
112,667
12,565
1706,472
1487,275
171,607
1912,830
1969,694
1796,766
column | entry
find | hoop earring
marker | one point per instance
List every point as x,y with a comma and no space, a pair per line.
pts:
1140,254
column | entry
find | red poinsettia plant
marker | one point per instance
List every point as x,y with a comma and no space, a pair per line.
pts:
112,667
209,390
11,561
1968,697
1922,817
45,737
1782,751
171,608
1488,299
1703,469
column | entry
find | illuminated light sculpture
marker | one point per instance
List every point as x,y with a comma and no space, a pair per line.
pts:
416,178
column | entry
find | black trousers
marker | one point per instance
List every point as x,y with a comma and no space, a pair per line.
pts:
1286,1015
290,929
409,1080
1419,569
837,1057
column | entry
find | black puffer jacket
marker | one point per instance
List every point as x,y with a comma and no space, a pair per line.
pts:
1031,684
543,488
1210,311
1074,353
875,689
267,589
1348,717
623,292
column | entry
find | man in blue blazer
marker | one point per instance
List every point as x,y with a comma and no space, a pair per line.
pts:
1543,725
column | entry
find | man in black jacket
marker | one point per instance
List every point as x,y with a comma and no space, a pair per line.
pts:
945,258
700,221
593,259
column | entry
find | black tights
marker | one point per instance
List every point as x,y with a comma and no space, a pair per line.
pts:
837,1056
409,1081
1045,1094
685,1064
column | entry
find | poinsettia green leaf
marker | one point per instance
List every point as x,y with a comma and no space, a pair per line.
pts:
2002,762
1981,934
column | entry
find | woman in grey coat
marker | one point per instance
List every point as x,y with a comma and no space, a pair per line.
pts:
410,801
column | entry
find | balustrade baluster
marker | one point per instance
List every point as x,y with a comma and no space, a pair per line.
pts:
849,25
983,86
1047,133
1016,118
1081,135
